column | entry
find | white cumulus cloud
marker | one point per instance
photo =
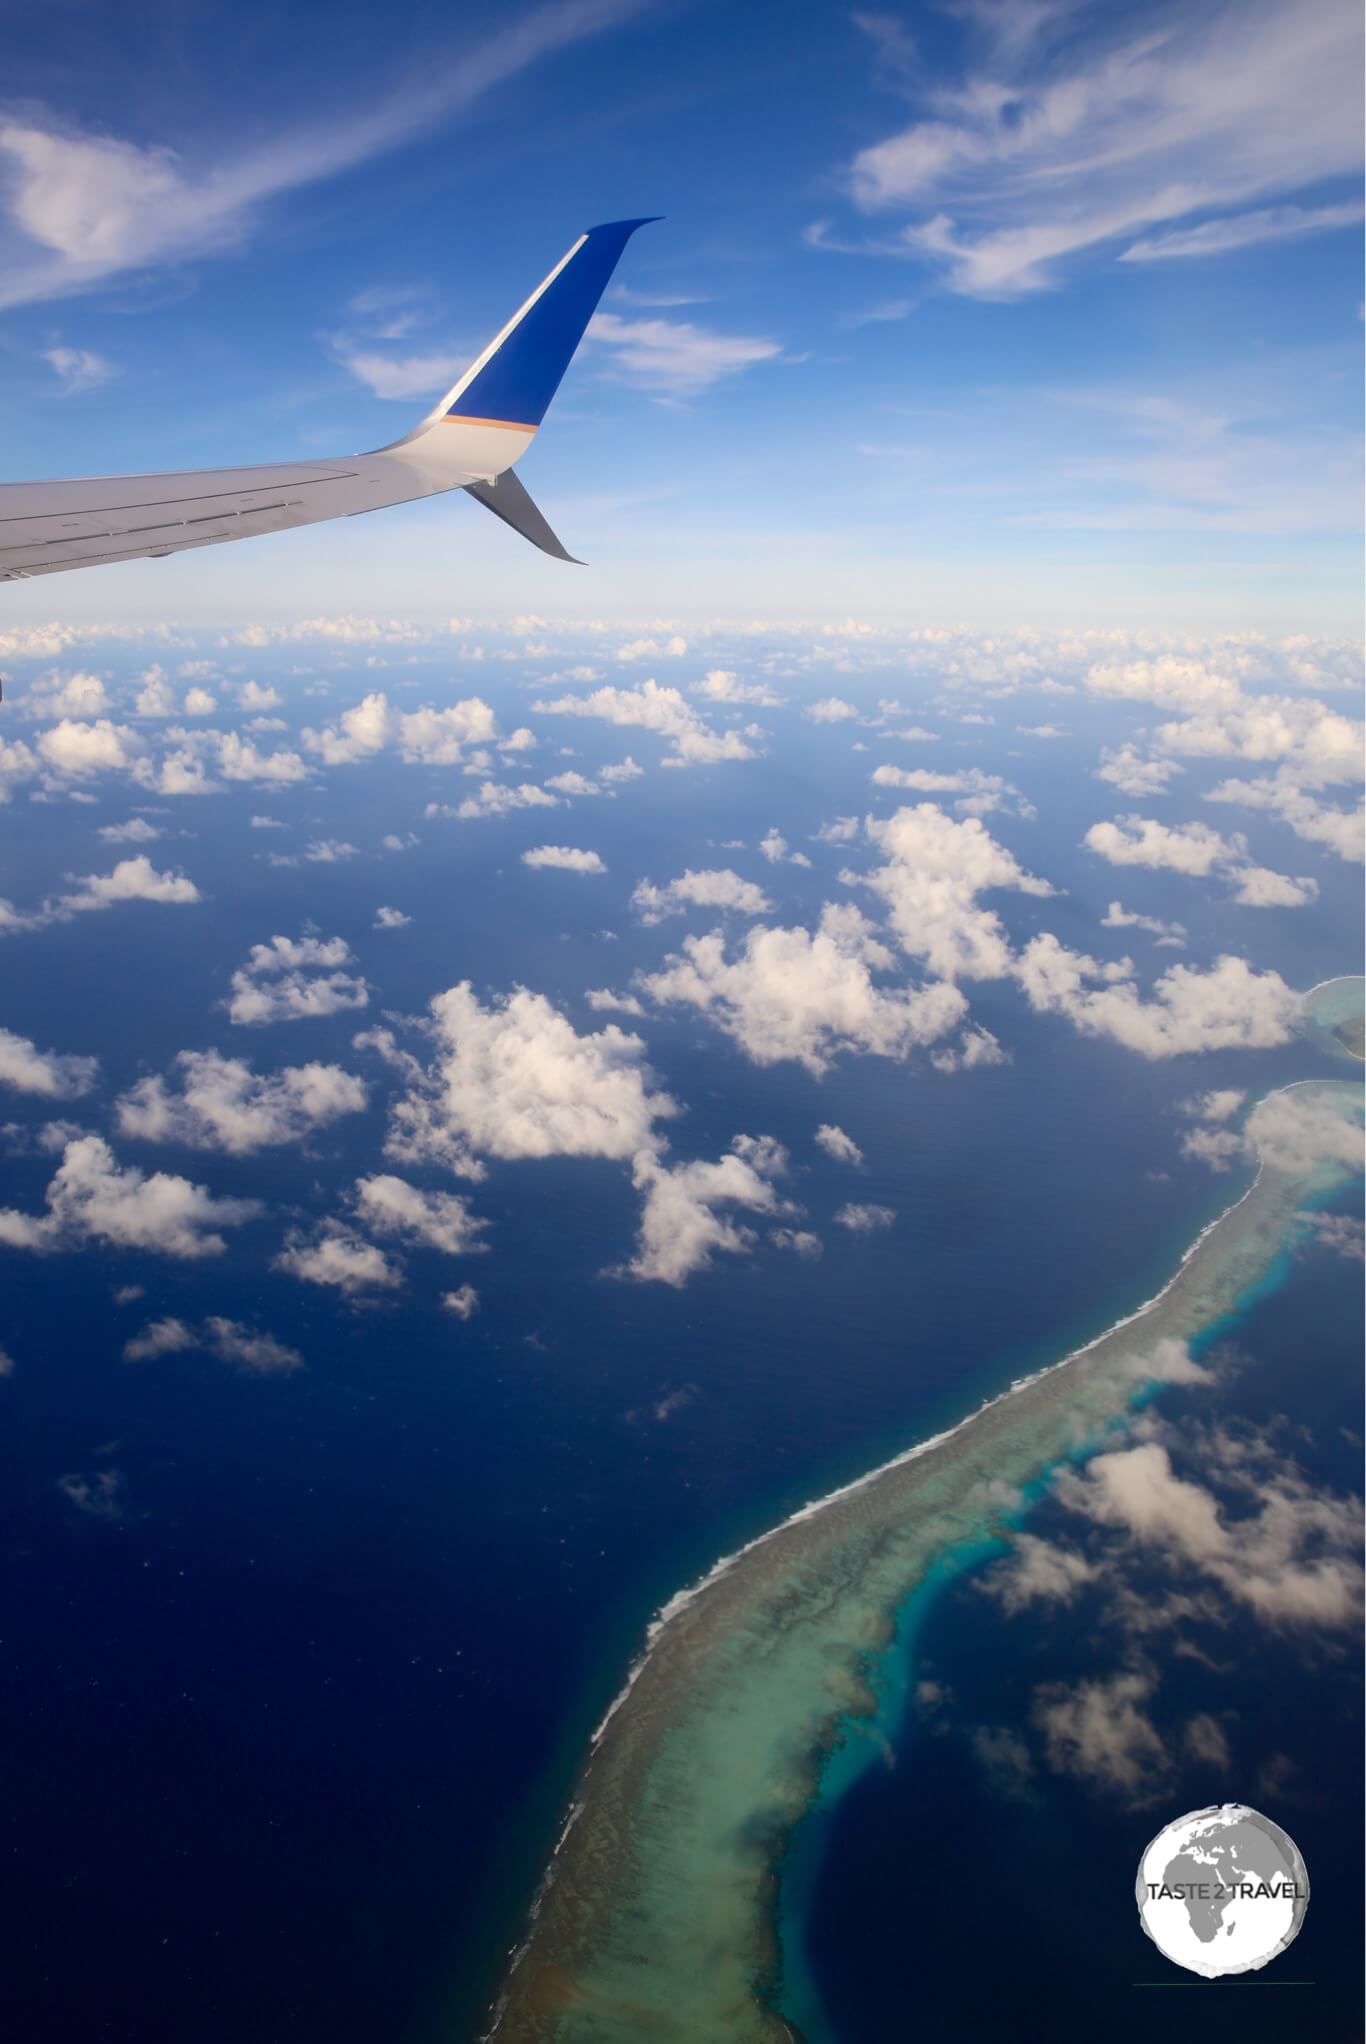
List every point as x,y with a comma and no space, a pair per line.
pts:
439,1220
935,869
337,1257
1139,841
436,737
51,1074
715,887
564,859
294,979
1229,1006
221,1104
232,1341
865,1218
91,1197
664,710
792,993
1117,917
1195,849
516,1080
683,1222
837,1144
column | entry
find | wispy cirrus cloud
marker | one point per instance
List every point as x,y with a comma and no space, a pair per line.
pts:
78,369
404,376
673,357
1043,151
1242,230
81,206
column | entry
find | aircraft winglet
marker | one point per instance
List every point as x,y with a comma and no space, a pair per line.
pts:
512,382
508,498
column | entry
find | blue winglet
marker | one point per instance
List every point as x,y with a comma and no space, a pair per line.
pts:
514,380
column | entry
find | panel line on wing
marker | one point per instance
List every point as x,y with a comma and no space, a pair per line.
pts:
132,531
341,475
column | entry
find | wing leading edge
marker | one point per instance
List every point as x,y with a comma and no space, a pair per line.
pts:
468,441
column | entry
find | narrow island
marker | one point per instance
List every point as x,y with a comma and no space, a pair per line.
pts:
656,1922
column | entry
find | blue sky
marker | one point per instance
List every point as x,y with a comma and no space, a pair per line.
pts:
1042,313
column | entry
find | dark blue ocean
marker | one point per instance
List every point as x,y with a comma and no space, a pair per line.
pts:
292,1705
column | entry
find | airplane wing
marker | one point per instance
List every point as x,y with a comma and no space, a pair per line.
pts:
468,441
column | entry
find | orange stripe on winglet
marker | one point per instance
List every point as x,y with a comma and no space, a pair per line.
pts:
506,425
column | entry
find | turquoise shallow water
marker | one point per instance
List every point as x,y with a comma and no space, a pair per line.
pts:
1336,1000
874,1747
869,1747
659,1919
888,1740
874,1938
1330,1004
